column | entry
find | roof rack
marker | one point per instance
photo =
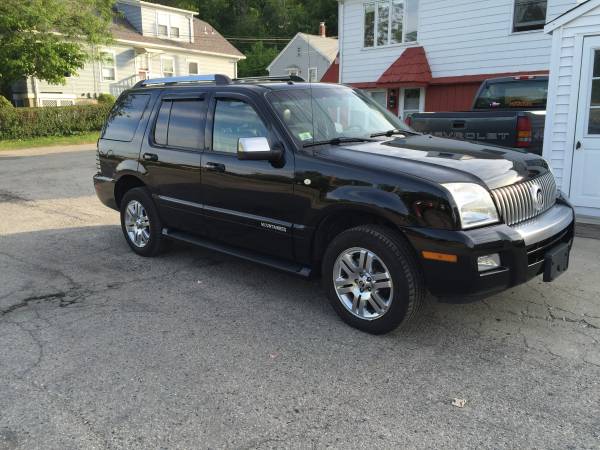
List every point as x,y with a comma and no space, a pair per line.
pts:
216,79
287,78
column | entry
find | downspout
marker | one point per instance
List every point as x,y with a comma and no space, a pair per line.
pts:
341,39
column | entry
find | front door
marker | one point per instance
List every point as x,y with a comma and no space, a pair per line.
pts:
585,179
246,203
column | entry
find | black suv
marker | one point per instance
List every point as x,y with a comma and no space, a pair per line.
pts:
319,179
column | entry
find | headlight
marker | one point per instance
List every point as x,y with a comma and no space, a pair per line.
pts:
474,203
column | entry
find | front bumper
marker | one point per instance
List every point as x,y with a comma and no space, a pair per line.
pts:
522,249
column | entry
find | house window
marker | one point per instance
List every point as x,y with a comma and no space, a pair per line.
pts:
529,15
379,96
168,26
167,66
389,22
411,102
293,71
108,66
193,68
313,74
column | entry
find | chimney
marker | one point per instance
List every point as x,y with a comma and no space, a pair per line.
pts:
322,29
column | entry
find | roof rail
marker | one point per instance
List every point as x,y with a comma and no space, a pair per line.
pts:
216,79
289,78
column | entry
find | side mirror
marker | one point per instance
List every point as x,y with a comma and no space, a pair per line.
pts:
257,149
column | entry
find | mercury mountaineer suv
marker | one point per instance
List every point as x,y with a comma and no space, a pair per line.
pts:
318,179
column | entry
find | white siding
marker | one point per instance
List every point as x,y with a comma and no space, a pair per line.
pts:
563,96
149,22
460,37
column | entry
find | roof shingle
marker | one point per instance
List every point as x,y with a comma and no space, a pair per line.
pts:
206,38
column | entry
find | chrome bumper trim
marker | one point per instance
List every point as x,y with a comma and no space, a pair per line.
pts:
546,225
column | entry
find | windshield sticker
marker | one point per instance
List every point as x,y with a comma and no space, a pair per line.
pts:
305,136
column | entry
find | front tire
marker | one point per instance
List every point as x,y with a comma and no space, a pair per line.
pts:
372,279
141,223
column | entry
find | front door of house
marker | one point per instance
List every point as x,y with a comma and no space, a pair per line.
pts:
585,180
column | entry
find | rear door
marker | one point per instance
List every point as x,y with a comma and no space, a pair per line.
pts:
246,203
171,156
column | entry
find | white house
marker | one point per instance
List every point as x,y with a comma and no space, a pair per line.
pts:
150,40
306,55
572,139
431,55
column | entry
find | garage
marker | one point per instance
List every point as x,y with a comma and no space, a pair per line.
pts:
572,136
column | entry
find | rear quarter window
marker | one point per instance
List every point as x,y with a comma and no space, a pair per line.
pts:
124,118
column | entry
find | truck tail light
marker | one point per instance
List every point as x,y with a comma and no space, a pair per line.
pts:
408,121
524,132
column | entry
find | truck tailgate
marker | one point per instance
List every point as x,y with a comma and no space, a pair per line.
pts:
492,127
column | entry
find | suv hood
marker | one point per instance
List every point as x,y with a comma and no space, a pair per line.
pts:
443,160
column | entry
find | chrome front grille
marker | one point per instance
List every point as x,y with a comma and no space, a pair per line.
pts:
523,201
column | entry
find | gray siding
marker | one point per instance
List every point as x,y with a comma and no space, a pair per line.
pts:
133,13
88,82
289,58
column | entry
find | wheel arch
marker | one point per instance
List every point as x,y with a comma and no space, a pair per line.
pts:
124,184
338,219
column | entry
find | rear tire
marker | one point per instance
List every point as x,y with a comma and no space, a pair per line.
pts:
372,279
140,223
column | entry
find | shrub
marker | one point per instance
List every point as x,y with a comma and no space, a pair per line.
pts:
5,103
22,123
106,98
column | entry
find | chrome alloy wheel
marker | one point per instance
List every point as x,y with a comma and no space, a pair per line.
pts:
363,283
137,224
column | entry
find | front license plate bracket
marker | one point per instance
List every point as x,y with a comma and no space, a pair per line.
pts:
556,262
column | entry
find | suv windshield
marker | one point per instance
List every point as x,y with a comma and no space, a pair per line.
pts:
333,113
514,94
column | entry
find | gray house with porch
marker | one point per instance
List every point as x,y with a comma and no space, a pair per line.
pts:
150,40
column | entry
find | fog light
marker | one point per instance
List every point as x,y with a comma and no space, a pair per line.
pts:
488,262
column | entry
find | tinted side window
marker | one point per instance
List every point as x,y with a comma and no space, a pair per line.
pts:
186,126
235,119
162,123
180,123
125,117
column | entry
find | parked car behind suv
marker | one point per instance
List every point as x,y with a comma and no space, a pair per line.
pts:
317,179
509,111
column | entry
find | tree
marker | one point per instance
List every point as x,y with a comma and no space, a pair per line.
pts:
257,59
48,39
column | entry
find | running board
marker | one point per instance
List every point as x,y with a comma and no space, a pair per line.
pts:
248,255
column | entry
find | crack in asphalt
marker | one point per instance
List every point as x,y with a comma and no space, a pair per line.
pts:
61,296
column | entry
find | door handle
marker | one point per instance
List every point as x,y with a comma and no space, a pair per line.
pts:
458,124
578,145
215,167
150,157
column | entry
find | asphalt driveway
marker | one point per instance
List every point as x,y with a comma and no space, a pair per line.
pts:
102,349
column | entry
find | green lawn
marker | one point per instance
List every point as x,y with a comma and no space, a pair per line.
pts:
14,144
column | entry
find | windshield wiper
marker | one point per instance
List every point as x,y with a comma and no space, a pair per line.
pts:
391,133
338,141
